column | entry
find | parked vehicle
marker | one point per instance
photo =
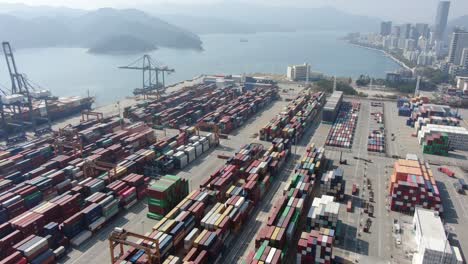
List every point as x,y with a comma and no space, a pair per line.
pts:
463,183
349,206
370,210
368,225
458,187
355,189
447,171
398,239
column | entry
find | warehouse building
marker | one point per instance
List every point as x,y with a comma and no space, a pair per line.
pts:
432,242
332,107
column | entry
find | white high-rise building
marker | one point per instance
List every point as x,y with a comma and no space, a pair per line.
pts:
423,43
394,42
432,37
464,58
298,72
461,82
438,48
410,44
387,42
401,43
426,58
457,44
411,55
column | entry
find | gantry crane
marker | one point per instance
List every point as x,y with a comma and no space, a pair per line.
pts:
120,237
67,137
21,87
149,70
211,127
89,168
86,113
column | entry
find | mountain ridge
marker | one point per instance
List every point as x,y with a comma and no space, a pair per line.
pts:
95,28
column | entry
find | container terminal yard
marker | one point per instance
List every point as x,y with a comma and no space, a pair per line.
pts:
234,169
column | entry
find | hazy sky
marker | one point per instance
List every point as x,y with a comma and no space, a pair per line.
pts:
401,10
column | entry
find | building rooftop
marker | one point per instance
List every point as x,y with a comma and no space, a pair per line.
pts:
432,230
410,156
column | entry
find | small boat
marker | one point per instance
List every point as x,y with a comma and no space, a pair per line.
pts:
244,40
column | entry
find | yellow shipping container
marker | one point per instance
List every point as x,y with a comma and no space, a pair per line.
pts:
173,213
167,226
200,237
220,219
275,233
159,224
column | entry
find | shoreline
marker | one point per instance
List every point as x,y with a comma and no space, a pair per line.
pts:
399,62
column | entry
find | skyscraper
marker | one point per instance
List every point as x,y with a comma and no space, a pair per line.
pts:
440,23
396,31
386,28
422,30
405,31
457,44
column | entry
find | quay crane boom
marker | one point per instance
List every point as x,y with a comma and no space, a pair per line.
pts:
149,70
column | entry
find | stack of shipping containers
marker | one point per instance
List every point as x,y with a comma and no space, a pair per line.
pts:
436,144
176,152
234,113
412,184
376,139
316,245
205,105
292,122
436,120
51,190
199,225
457,136
342,132
276,237
333,183
164,194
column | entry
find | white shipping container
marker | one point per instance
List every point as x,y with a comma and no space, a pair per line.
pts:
270,256
34,248
190,238
211,138
198,148
181,148
81,238
96,224
182,158
194,139
206,146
